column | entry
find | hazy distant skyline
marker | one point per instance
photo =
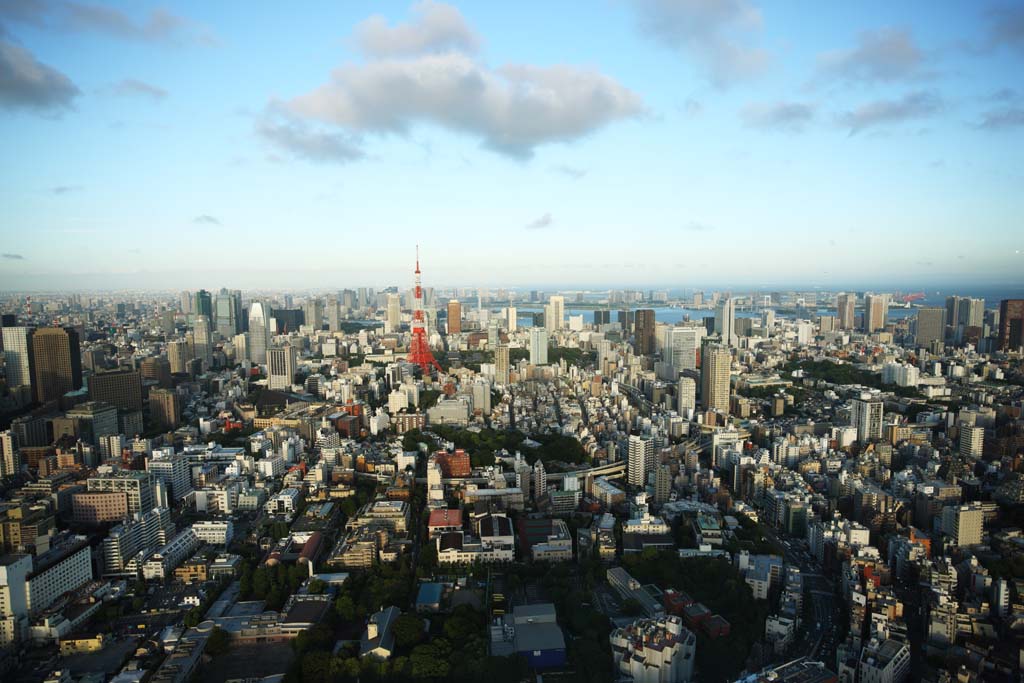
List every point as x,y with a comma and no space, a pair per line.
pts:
668,144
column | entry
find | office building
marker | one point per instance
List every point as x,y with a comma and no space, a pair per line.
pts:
259,331
281,366
602,318
845,307
511,319
10,458
58,363
454,316
92,421
716,366
866,415
228,313
19,361
126,544
120,388
683,347
554,313
313,312
1011,324
157,369
930,326
538,346
640,459
643,332
202,305
725,321
202,341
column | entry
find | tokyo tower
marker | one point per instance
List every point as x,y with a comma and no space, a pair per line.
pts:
419,351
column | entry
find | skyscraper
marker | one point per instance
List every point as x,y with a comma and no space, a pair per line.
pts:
393,321
58,362
314,312
554,313
454,316
538,346
228,311
511,319
178,356
202,343
1011,324
716,365
19,360
259,331
683,347
845,305
165,408
866,415
725,321
930,325
332,312
120,388
501,364
640,459
686,395
203,305
876,312
644,331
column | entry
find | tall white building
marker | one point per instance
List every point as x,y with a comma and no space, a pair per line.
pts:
202,342
866,415
964,524
18,355
683,346
10,459
554,313
393,321
259,331
538,346
686,395
972,441
640,459
126,544
173,470
725,321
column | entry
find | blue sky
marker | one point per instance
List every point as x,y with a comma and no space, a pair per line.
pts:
645,142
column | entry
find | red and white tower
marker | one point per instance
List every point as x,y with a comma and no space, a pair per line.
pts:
419,350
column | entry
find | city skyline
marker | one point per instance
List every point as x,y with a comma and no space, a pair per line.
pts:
662,144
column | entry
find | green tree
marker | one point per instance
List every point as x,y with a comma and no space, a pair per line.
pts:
218,642
408,630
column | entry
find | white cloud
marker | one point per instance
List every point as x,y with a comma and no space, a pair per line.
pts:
27,83
436,27
540,223
887,54
790,117
915,105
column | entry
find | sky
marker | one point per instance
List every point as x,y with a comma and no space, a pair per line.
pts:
529,144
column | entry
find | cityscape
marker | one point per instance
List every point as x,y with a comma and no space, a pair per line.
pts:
659,341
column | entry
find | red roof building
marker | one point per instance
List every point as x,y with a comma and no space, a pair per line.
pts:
443,521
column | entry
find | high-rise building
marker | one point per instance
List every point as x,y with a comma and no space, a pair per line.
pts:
644,331
972,441
725,321
165,408
866,415
964,524
332,311
10,459
683,347
393,321
511,319
538,346
1011,324
876,312
58,363
501,369
93,420
281,366
120,388
259,331
313,310
19,360
716,367
228,313
173,470
845,306
178,355
454,316
202,305
686,395
602,317
640,459
554,313
202,341
930,326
